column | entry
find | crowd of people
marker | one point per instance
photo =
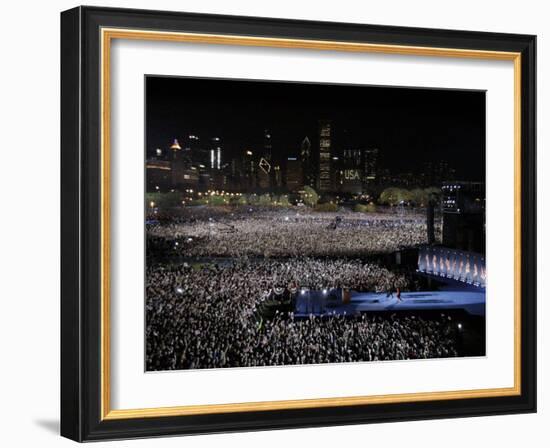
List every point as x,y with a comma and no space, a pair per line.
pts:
282,234
203,307
206,316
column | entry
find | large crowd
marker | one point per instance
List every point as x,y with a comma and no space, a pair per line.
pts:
203,308
207,317
282,234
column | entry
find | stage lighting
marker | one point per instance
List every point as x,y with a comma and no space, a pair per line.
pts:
179,290
324,291
459,326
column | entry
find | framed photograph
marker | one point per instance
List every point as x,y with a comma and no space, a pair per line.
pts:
276,224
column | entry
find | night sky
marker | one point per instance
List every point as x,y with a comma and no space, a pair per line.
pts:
409,125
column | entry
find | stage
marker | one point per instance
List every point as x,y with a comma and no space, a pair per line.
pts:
450,295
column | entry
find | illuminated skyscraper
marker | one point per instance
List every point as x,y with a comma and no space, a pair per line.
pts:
215,153
294,174
265,163
249,170
348,177
325,146
175,146
308,166
370,158
268,145
180,156
199,154
184,174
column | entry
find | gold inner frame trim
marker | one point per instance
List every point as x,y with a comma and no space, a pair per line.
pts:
107,35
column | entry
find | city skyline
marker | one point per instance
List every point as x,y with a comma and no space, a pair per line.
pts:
410,127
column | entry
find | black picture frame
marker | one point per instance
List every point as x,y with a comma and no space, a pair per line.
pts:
81,224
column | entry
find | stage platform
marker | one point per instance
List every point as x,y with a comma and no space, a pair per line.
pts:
451,294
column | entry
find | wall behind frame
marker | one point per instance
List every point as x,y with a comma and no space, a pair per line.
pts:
29,224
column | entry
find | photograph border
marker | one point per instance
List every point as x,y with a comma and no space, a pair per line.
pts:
86,37
111,34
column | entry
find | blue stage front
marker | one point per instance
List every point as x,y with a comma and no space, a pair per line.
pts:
449,295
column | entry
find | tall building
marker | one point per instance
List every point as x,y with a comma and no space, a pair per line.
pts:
308,165
294,174
463,206
215,153
349,174
184,174
199,154
158,175
324,183
370,159
249,177
277,176
200,158
352,157
438,171
192,142
265,163
175,147
158,171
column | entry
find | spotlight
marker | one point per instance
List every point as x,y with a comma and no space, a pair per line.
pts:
459,326
179,290
324,291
